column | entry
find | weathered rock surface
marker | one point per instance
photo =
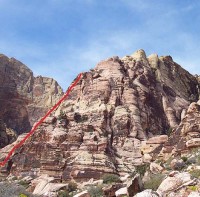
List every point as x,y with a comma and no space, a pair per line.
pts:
44,185
187,135
147,193
111,120
24,98
7,135
174,182
121,192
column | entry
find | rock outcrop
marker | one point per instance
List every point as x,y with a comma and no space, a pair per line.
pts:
7,135
186,136
24,98
111,117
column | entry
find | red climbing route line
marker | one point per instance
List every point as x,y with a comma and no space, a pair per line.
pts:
2,163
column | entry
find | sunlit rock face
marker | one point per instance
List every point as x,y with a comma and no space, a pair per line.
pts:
113,119
23,97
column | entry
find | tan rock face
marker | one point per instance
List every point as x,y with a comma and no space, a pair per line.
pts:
7,135
187,134
115,110
24,98
175,182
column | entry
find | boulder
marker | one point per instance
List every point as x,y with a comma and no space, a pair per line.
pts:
157,139
134,185
195,142
121,192
175,181
110,190
155,168
194,194
45,186
177,164
147,193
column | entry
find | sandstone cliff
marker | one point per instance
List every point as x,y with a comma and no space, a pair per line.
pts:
116,117
24,98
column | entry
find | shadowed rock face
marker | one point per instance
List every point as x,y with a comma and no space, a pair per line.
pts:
23,97
110,114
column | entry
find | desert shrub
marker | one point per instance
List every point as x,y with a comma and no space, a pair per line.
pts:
195,173
142,169
78,118
14,178
110,178
23,195
95,191
12,189
90,128
198,159
169,131
184,158
72,186
23,183
62,115
193,188
154,181
167,163
192,160
63,193
179,165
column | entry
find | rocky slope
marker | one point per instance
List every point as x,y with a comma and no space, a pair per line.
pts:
120,115
24,98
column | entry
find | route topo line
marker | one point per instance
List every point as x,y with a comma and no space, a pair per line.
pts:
2,163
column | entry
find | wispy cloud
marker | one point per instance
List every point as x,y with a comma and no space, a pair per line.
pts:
61,38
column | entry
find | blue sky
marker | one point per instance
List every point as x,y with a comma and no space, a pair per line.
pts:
61,38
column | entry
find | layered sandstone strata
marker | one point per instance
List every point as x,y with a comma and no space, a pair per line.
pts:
111,117
24,98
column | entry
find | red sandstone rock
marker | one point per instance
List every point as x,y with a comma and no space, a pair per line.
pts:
114,110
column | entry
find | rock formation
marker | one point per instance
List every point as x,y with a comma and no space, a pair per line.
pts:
24,98
117,117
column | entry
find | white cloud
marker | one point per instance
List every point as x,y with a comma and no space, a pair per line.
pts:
157,31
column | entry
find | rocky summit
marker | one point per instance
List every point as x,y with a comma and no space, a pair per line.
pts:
135,117
24,98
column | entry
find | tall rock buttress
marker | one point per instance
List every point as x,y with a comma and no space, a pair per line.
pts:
24,98
116,109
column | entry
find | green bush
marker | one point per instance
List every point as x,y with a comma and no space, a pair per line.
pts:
62,115
12,189
198,159
111,178
14,178
142,169
78,118
193,188
167,163
184,159
169,131
195,173
23,195
72,186
23,183
63,193
154,181
95,191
